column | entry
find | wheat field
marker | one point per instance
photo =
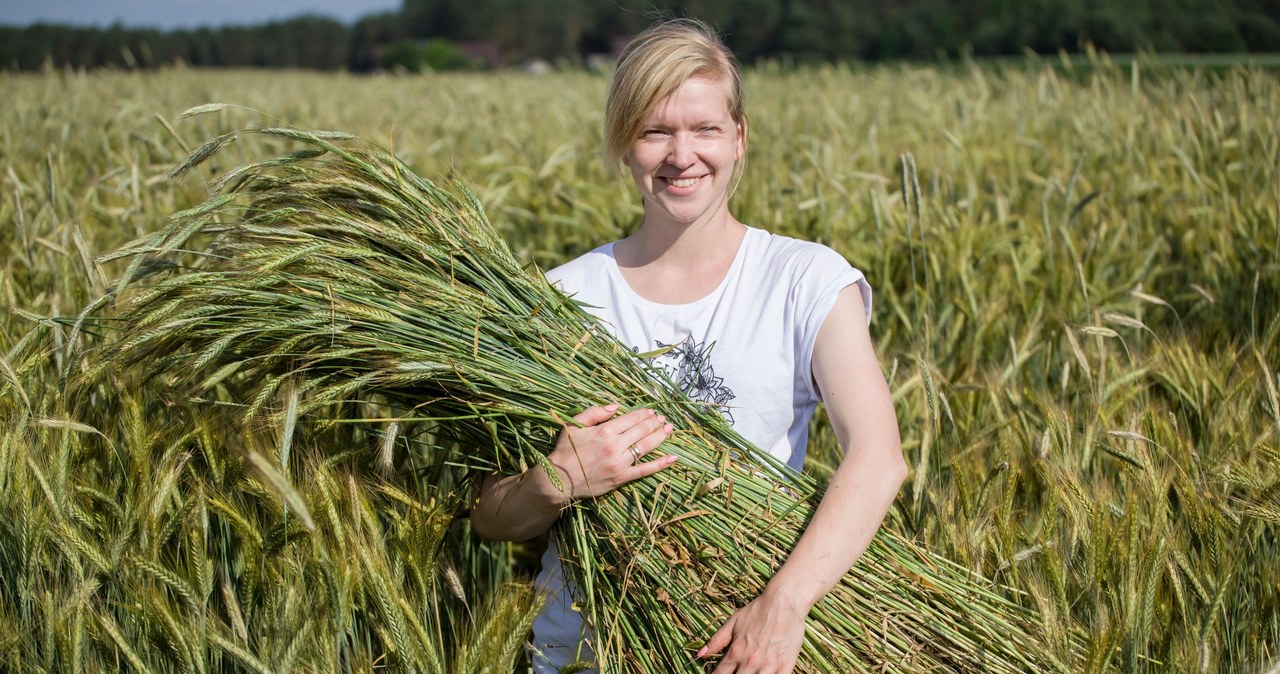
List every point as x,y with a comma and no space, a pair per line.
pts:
1077,278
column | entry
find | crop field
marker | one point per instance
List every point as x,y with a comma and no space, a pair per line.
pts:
1077,305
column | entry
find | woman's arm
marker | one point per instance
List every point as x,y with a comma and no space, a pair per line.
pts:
592,459
764,637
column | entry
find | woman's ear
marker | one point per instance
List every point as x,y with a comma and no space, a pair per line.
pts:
742,140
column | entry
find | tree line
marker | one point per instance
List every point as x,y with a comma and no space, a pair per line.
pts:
495,33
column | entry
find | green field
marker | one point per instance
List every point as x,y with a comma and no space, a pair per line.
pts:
1077,278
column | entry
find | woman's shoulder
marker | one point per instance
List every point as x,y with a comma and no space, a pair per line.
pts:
785,254
590,265
811,273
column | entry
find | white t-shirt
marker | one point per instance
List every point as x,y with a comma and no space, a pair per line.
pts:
747,347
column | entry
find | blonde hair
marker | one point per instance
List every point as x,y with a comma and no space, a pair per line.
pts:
654,64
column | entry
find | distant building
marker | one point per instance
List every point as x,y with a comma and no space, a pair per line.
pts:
487,51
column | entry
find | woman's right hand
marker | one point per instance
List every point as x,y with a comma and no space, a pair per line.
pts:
591,458
605,452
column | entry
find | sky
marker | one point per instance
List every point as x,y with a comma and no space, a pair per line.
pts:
170,14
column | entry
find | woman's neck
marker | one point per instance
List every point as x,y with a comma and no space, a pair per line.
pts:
679,263
687,245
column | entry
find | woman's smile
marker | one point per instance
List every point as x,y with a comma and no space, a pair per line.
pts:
682,183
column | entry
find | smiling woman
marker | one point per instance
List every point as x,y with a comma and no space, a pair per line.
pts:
683,162
761,327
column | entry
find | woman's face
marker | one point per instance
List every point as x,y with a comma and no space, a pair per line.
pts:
683,160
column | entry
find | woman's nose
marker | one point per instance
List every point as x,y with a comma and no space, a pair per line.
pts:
682,154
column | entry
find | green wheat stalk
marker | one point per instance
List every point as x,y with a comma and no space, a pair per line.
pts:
336,272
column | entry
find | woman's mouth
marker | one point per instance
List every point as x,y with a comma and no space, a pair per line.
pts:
682,182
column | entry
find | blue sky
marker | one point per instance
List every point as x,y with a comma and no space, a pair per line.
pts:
180,13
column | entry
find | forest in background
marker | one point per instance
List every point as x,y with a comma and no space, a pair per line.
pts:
462,34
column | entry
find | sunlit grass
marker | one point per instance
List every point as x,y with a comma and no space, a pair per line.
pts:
1077,286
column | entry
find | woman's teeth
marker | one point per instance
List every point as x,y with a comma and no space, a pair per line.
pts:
682,182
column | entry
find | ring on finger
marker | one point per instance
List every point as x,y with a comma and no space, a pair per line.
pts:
634,452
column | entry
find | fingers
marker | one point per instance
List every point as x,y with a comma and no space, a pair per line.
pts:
647,468
603,416
645,434
719,640
606,451
642,429
596,415
629,421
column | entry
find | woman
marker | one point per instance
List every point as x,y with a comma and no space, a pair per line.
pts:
761,325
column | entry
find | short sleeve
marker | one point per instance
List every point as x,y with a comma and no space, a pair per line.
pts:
817,286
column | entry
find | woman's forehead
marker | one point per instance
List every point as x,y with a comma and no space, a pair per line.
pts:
696,97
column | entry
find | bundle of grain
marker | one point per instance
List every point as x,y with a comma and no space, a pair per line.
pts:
339,273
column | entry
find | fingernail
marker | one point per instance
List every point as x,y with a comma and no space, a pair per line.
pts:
701,652
669,427
611,406
672,458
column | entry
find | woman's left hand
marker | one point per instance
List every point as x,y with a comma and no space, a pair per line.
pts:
763,637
